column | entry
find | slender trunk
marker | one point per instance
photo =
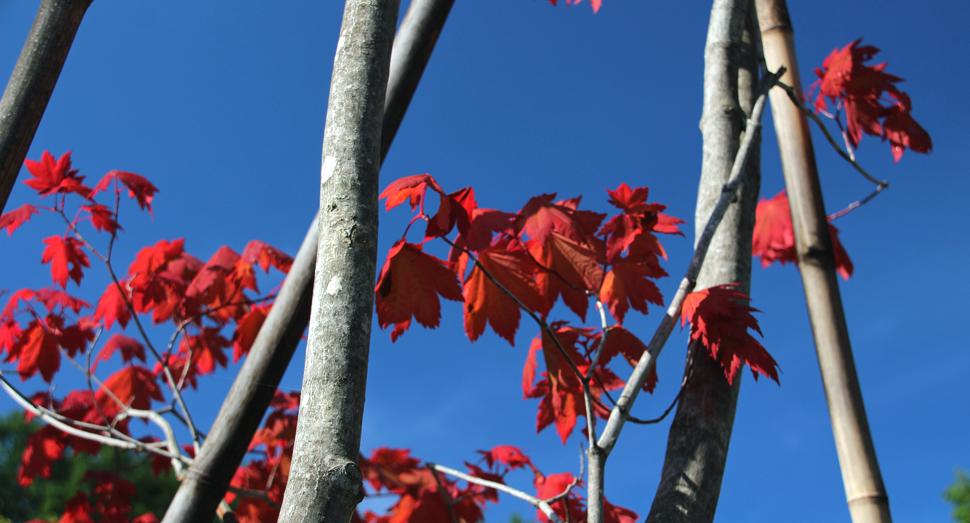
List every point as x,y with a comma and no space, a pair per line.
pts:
32,83
325,483
697,446
207,479
864,488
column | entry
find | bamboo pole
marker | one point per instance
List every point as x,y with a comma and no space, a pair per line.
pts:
864,488
208,477
32,83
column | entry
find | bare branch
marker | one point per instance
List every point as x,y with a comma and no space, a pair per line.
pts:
543,505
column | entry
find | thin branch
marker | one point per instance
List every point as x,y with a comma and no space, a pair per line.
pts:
535,502
854,205
444,495
828,136
620,413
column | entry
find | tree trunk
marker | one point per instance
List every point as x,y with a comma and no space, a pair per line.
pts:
32,83
207,479
864,488
325,483
697,446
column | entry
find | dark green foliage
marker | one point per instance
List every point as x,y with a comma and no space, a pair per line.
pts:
45,498
958,494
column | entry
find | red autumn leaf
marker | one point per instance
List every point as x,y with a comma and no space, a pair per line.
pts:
14,301
138,187
774,237
668,224
620,341
255,476
17,217
112,307
720,324
60,253
55,176
130,349
453,209
265,255
246,331
182,370
627,285
511,457
102,218
54,298
596,4
37,350
615,514
207,349
844,78
75,338
10,332
410,188
409,286
147,517
385,466
485,302
77,510
540,217
553,485
568,269
43,448
133,385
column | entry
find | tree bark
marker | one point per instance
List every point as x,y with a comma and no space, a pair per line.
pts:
864,488
325,483
32,83
699,436
208,478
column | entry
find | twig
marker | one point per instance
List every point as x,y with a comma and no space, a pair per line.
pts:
444,495
828,136
854,205
535,502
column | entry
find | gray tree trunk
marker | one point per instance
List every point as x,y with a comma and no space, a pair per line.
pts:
698,442
325,483
32,83
208,477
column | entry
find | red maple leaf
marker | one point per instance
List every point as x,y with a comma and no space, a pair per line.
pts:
568,269
409,286
55,176
720,323
130,349
774,237
206,349
540,217
43,448
112,306
17,217
246,331
596,4
60,253
844,78
616,514
138,187
182,370
511,457
485,302
266,256
627,285
134,386
553,485
37,350
102,218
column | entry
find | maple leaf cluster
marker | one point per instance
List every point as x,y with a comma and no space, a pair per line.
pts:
774,237
423,497
40,328
501,264
872,102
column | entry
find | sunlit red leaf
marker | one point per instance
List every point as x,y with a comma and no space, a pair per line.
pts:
511,457
720,323
568,269
619,342
615,514
36,351
409,286
60,253
207,349
102,218
484,301
17,217
409,188
43,448
130,349
627,285
246,331
55,176
112,307
133,385
553,485
138,187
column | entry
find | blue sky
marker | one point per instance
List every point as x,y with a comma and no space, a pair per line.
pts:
224,109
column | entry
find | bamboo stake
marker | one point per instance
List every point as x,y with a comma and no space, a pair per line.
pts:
864,488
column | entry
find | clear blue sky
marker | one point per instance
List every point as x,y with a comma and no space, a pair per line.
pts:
224,108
